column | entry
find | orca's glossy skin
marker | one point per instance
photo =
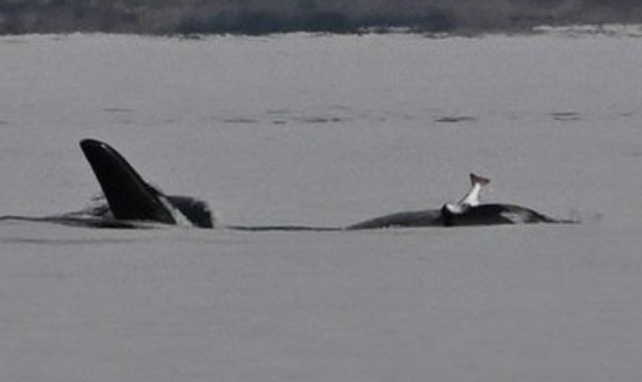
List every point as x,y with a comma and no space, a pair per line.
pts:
128,195
483,214
130,198
495,214
467,212
130,202
425,218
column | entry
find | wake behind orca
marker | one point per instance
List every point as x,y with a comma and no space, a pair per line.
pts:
131,202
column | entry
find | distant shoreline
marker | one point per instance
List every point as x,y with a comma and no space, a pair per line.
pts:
283,16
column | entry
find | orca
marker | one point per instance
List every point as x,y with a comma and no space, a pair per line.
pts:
130,198
469,211
129,201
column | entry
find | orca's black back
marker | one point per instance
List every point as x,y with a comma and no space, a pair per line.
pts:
496,214
196,211
128,195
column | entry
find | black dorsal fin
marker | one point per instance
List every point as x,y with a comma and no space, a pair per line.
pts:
128,195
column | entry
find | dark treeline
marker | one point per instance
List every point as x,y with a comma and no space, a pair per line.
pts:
273,16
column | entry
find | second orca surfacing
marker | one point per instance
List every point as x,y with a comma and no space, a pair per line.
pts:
131,202
469,211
